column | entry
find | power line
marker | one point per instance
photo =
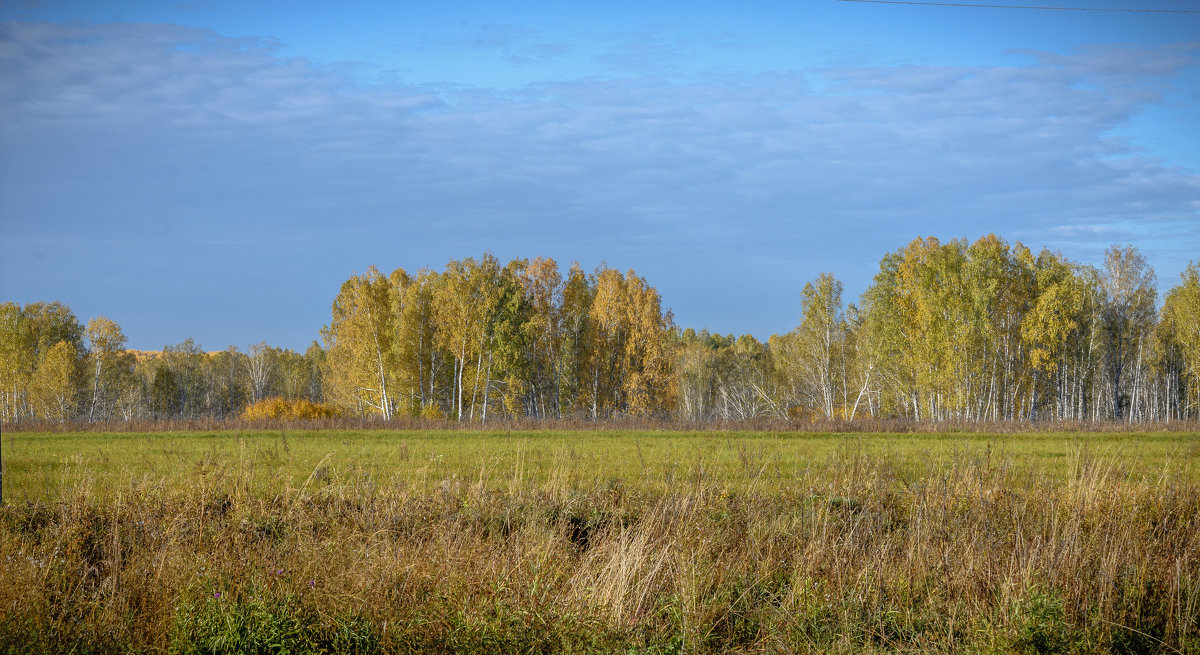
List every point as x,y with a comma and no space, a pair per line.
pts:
961,4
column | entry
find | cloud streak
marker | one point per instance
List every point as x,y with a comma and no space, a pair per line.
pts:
708,184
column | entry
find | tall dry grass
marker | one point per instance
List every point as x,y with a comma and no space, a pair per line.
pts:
971,556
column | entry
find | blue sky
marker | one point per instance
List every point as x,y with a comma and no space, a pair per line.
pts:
217,169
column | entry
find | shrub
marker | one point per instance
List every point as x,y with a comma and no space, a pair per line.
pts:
279,409
1040,625
432,412
260,623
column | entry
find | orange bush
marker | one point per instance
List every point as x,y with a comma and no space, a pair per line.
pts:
279,409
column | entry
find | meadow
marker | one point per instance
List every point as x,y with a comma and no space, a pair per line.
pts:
278,541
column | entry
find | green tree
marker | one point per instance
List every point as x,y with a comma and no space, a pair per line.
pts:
421,362
26,337
695,374
262,365
54,383
314,362
577,359
227,387
543,288
18,359
1179,328
821,336
458,310
1056,314
1128,317
166,397
186,362
107,345
54,322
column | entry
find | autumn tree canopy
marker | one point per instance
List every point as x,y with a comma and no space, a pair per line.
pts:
948,330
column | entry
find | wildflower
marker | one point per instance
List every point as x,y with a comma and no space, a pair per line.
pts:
217,595
312,583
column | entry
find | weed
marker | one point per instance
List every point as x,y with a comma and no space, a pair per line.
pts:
599,542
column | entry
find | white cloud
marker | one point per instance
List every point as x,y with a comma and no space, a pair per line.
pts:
172,132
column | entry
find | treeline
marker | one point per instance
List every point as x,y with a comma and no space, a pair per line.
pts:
987,332
482,339
958,331
52,367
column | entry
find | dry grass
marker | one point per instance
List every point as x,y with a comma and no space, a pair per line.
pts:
859,552
620,423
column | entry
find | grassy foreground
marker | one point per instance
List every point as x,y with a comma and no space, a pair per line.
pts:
653,542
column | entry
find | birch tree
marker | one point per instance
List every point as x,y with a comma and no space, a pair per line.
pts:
261,365
821,335
358,361
1180,332
107,343
54,389
1128,316
18,352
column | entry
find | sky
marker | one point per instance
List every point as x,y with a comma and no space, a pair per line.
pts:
216,170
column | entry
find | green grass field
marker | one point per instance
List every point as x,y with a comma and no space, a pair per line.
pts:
600,541
45,466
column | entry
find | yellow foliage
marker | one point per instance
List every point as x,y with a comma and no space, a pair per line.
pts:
289,410
797,412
